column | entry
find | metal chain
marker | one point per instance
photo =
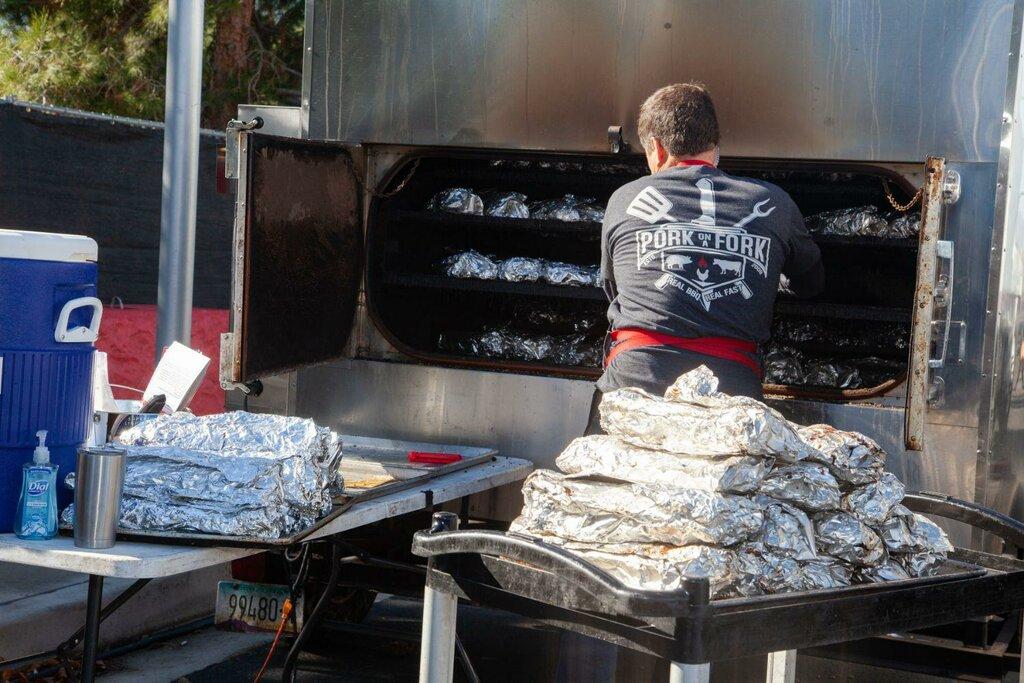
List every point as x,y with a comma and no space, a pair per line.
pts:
902,208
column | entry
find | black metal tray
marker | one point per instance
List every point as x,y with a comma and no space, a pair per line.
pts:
538,580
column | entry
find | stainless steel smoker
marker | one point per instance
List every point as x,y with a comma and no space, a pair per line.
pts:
340,312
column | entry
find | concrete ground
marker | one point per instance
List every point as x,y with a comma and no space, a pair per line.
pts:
39,607
502,647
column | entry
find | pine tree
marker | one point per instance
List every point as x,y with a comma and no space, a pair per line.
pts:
110,55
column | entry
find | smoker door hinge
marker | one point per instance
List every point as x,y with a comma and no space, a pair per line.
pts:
232,159
951,187
616,143
229,369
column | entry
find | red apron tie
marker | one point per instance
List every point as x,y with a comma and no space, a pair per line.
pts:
726,348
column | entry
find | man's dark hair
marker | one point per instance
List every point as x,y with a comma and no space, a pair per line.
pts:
682,116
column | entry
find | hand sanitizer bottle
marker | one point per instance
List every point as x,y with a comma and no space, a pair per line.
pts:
37,507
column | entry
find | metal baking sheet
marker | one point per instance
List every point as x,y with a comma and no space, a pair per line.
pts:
362,457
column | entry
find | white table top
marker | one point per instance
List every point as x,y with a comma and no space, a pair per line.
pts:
153,560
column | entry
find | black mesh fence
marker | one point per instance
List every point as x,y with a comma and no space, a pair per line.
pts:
72,172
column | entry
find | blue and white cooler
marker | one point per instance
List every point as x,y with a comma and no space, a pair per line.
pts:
49,319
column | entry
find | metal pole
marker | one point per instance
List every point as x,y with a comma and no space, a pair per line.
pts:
781,666
181,171
689,673
92,627
440,609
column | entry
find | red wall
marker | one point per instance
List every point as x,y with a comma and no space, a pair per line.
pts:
128,336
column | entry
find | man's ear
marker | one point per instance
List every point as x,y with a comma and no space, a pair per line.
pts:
660,152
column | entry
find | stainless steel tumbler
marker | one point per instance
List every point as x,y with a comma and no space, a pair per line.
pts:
99,479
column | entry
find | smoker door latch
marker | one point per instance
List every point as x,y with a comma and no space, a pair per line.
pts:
616,143
235,128
943,299
951,187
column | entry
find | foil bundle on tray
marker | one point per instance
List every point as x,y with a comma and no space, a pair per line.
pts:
234,474
701,484
472,265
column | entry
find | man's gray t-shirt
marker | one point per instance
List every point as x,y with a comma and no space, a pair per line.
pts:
694,252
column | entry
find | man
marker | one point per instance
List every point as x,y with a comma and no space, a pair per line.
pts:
691,257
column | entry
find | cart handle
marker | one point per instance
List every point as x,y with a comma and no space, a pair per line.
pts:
603,586
978,516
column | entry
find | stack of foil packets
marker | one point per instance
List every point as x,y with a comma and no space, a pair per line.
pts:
700,484
232,474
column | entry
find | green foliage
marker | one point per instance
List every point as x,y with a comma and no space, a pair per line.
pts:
110,55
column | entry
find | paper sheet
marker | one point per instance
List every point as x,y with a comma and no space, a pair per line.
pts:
177,376
102,395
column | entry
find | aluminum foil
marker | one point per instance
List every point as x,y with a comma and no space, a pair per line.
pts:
922,564
240,432
787,531
873,502
610,456
783,365
474,265
808,486
457,200
697,420
907,225
787,575
660,567
236,474
470,265
846,538
506,204
572,275
851,457
895,531
521,269
831,373
599,511
889,570
505,343
569,208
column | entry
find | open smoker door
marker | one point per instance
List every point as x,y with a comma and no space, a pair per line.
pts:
298,255
932,298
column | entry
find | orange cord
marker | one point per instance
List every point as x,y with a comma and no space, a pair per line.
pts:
286,612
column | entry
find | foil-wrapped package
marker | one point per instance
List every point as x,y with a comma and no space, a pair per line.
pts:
508,344
921,564
521,269
610,456
698,420
873,502
569,208
648,566
787,531
905,226
570,274
808,486
598,511
857,221
235,474
783,365
240,432
852,457
785,574
895,531
505,204
889,570
847,538
470,265
457,200
831,373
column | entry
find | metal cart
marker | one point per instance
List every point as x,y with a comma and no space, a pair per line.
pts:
685,626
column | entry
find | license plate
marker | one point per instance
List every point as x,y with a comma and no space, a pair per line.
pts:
253,607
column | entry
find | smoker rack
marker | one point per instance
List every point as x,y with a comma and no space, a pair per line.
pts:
534,579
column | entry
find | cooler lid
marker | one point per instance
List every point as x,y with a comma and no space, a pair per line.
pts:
47,246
